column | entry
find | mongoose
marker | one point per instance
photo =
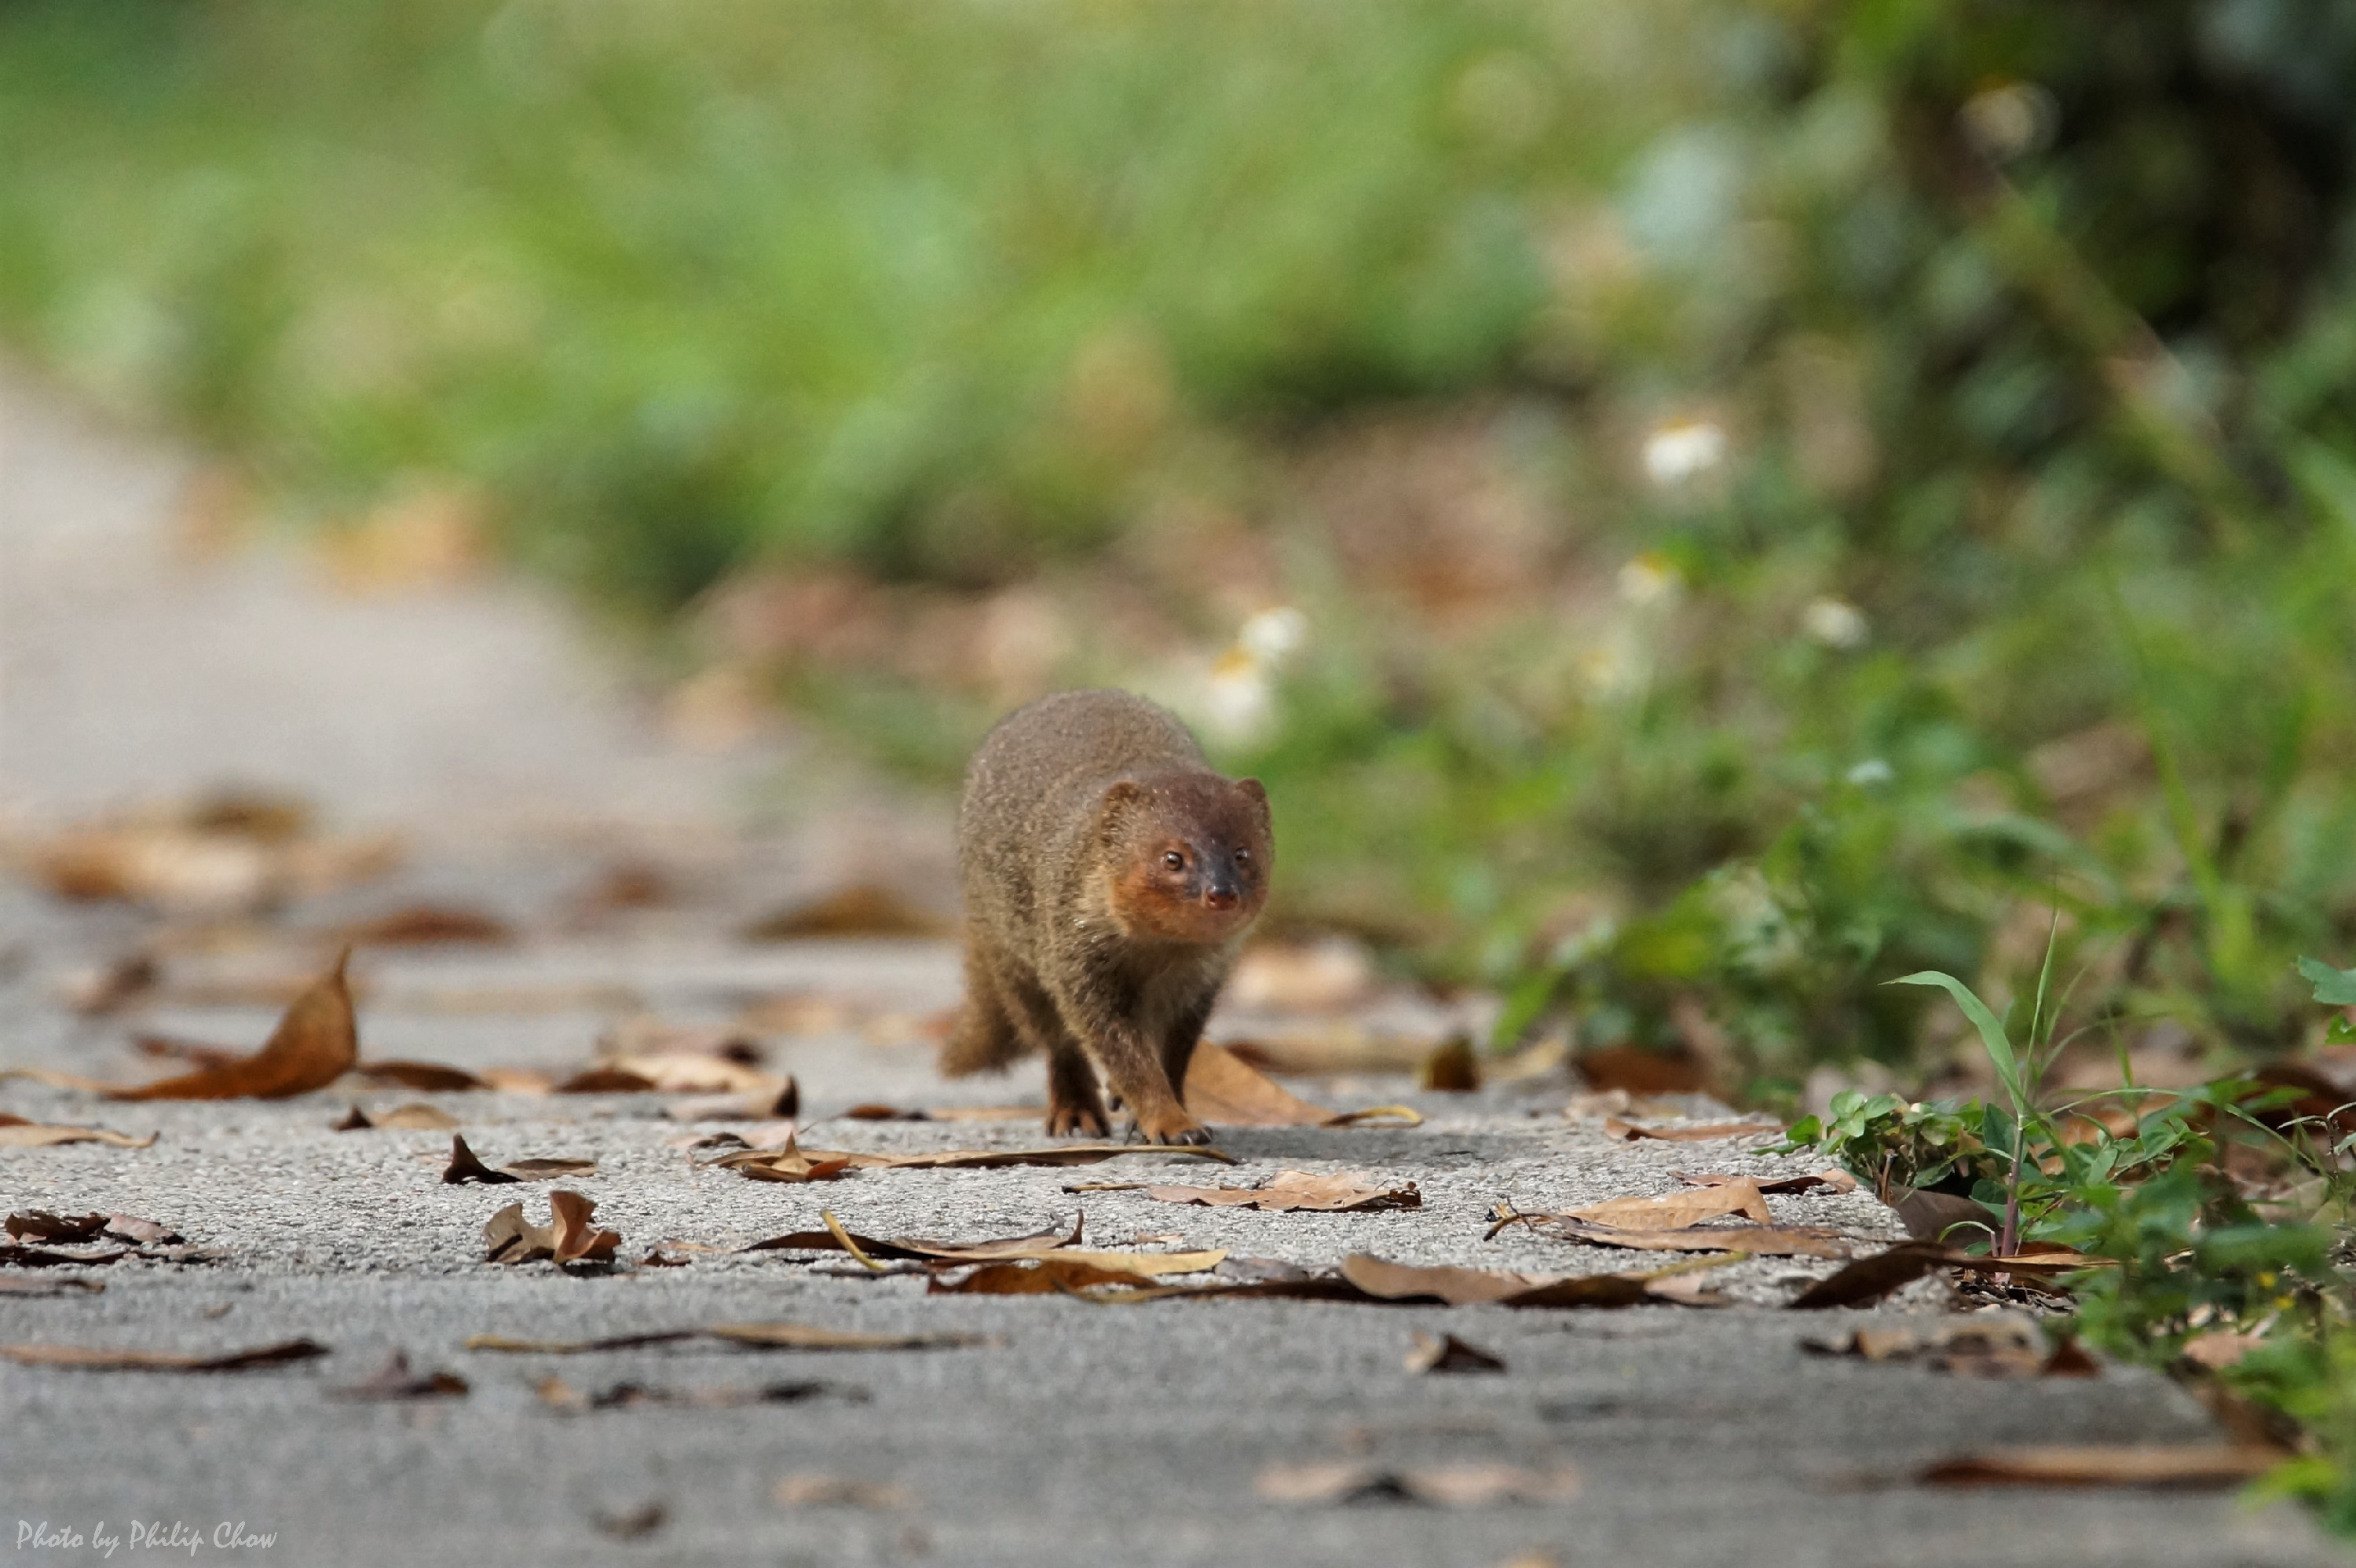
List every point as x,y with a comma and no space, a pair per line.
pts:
1109,876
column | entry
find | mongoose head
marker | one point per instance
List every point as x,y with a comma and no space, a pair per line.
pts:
1187,855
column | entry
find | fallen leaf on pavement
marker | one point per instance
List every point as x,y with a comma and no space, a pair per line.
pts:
1446,1485
1291,1190
426,1077
195,1052
1226,1091
1384,1281
1076,1270
1447,1353
1979,1345
420,926
756,1336
1628,1132
839,1491
635,1524
1758,1241
394,1380
677,1072
1869,1279
16,1132
796,1164
17,1285
1635,1070
40,1225
860,909
881,1113
1452,1068
1036,1243
2121,1464
1829,1180
463,1167
87,1358
400,1118
16,1256
605,1080
568,1238
314,1043
556,1394
1675,1211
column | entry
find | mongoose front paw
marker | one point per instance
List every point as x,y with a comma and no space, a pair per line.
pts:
1084,1121
1178,1128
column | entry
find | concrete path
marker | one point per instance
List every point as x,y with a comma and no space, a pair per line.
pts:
1068,1432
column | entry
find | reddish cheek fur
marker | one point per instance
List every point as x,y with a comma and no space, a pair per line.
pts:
1147,905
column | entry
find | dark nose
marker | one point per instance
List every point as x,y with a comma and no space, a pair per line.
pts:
1220,890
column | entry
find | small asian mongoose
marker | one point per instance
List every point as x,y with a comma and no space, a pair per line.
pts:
1109,876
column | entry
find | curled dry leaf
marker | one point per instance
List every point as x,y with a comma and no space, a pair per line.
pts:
1036,1243
400,1118
1941,1216
1979,1345
633,1524
840,1492
2173,1464
17,1285
421,925
1675,1211
92,1359
779,1100
16,1132
1869,1279
680,1073
395,1381
1447,1353
1755,1241
1226,1091
568,1238
1340,1193
556,1394
314,1043
863,909
40,1225
426,1077
1056,1273
754,1336
463,1167
796,1164
1829,1180
1628,1132
1444,1485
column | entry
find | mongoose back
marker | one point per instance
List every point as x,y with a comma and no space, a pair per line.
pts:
1109,876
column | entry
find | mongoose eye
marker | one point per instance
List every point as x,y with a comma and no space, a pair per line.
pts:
1174,861
1243,856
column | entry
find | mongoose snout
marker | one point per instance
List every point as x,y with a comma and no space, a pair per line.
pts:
1109,877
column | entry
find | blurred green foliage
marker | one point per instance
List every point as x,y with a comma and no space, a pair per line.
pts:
1911,445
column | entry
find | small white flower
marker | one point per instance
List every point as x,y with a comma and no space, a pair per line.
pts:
1835,622
1682,450
1649,579
1870,771
1272,635
1237,700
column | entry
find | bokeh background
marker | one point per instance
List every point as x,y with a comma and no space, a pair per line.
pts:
1694,508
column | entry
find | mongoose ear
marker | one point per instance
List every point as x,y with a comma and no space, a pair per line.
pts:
1118,796
1257,790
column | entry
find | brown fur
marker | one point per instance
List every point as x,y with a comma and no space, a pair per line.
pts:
1084,941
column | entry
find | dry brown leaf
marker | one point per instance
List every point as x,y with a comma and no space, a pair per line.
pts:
1755,1241
568,1238
1628,1132
882,1112
464,1167
199,860
839,1491
195,1052
1226,1091
1291,1190
1941,1216
89,1358
557,1395
1447,1353
796,1164
40,1225
675,1072
1677,1211
1445,1486
605,1080
787,1164
756,1336
15,1256
17,1285
315,1043
1036,1243
860,909
426,1077
2106,1465
1869,1279
394,1380
635,1525
1063,1273
1452,1068
420,926
1979,1345
1829,1180
766,1104
400,1118
16,1132
1635,1070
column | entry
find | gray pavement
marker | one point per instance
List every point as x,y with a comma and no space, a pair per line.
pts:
1077,1433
